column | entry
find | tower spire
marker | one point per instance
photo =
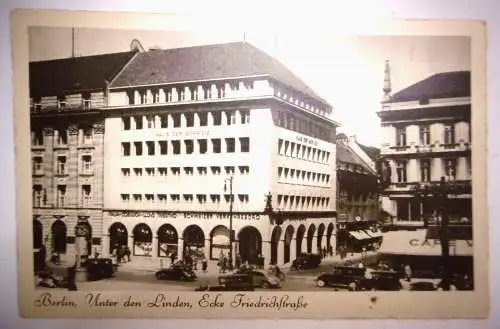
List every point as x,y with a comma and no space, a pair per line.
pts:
73,41
387,81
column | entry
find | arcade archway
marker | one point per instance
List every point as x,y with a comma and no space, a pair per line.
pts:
219,241
118,236
193,238
288,241
143,240
301,231
249,244
275,239
37,234
310,237
321,232
59,236
168,240
329,233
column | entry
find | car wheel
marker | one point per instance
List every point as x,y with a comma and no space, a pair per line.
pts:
159,276
320,283
453,287
353,286
265,285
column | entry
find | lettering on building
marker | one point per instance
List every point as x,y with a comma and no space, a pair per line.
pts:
307,140
188,133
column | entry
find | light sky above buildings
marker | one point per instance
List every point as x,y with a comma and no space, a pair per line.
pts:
346,71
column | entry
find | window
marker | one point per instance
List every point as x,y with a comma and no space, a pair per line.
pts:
188,198
245,144
202,144
61,165
125,172
37,165
280,146
229,170
244,170
37,195
245,116
125,149
176,171
138,172
425,170
138,148
217,118
215,198
87,135
449,134
162,197
156,95
243,198
149,197
150,120
188,171
230,117
137,197
189,146
425,135
175,197
37,137
126,123
86,195
450,166
230,145
151,147
162,171
62,137
163,147
86,163
177,119
150,172
164,121
138,122
202,170
203,116
216,145
401,136
189,119
202,198
125,197
176,146
401,171
215,170
61,195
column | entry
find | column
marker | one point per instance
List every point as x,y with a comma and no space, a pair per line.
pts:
223,118
183,120
105,252
210,119
266,251
180,249
154,247
175,95
314,248
281,252
130,243
196,119
293,249
162,95
200,93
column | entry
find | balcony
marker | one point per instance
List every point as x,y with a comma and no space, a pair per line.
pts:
437,147
78,104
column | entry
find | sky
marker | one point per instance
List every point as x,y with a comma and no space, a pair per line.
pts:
346,71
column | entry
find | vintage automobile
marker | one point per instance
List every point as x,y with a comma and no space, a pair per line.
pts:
100,268
306,261
422,286
176,273
235,282
356,278
261,279
458,282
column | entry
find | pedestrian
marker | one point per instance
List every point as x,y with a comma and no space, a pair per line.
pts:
324,252
126,252
204,263
224,264
408,272
71,274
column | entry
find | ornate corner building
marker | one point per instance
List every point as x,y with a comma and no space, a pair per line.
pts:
145,142
426,136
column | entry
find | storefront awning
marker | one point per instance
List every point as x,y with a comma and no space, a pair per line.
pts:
374,234
416,243
359,235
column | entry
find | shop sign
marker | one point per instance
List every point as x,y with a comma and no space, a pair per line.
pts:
185,133
307,140
431,242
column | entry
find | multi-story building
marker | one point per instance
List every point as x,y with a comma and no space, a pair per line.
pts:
426,136
357,197
199,135
67,151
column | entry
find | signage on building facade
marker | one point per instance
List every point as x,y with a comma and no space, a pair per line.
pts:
307,140
187,215
188,133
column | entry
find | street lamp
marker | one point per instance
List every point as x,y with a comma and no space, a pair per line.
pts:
230,256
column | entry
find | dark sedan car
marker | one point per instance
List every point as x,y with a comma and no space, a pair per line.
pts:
422,286
458,282
100,268
306,261
352,278
261,279
235,282
176,273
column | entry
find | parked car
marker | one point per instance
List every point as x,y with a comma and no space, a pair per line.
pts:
176,273
261,279
306,261
458,282
350,277
235,282
386,280
422,286
100,268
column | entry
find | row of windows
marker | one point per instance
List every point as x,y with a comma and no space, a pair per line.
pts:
302,176
296,202
302,151
40,195
449,137
450,169
62,165
187,146
85,136
177,171
186,119
177,198
303,126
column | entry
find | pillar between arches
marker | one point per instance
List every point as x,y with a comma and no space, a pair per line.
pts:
293,249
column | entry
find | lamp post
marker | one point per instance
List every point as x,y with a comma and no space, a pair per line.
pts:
444,233
231,200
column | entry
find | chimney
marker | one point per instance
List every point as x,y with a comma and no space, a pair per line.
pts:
387,82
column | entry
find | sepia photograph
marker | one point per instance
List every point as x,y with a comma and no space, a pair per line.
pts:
268,166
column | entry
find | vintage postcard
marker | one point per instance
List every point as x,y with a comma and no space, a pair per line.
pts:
183,166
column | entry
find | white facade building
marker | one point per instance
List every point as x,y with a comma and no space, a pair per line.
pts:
183,124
